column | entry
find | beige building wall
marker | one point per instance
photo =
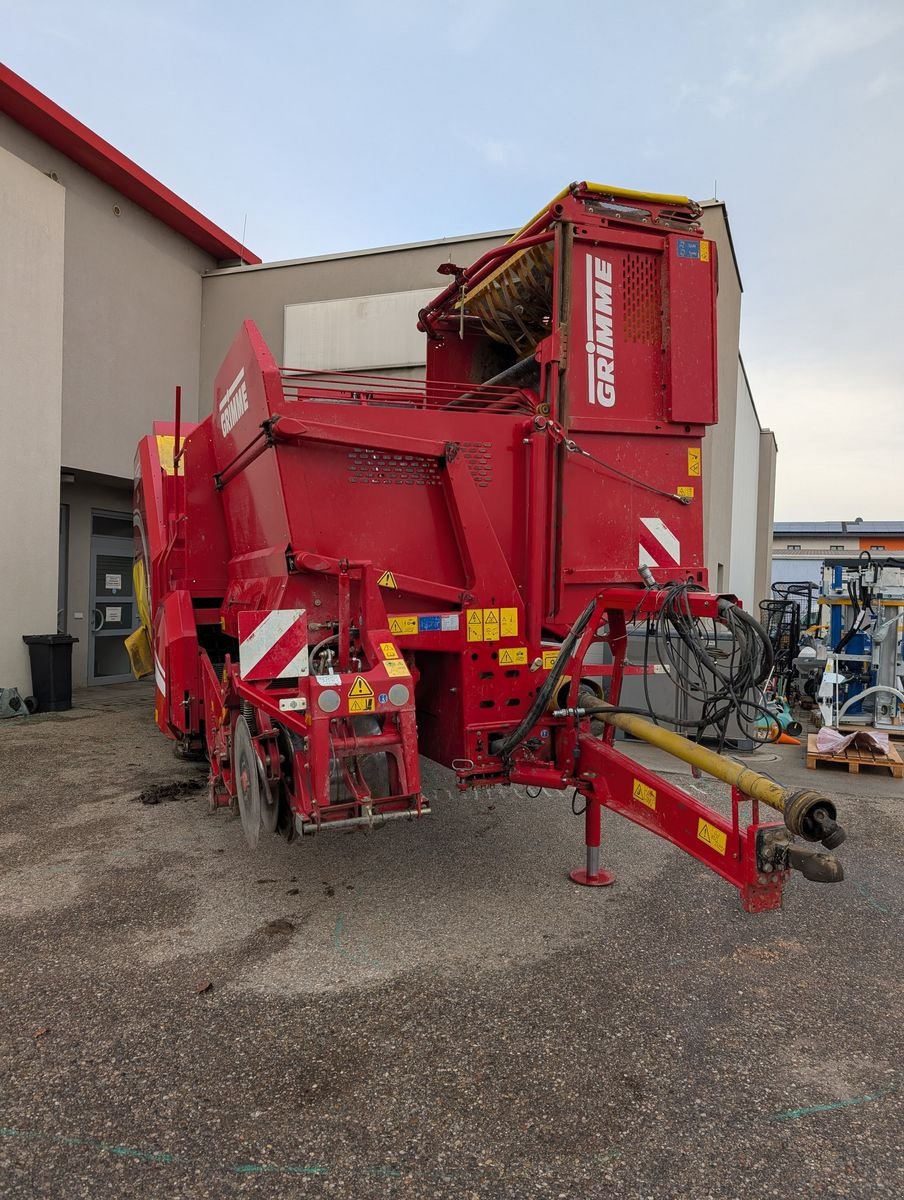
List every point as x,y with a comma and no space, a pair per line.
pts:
132,322
745,496
768,451
719,443
261,293
127,331
32,220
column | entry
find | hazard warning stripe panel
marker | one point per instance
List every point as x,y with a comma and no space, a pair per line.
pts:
273,645
657,546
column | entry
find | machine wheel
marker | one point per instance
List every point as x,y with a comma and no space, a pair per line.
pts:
258,806
247,781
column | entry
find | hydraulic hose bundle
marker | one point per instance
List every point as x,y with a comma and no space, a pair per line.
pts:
720,681
861,598
691,656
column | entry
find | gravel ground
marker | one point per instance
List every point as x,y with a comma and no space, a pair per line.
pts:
432,1010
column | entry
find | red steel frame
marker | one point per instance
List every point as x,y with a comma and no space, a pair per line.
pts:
396,517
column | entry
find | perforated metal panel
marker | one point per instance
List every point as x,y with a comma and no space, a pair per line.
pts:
642,299
479,458
379,466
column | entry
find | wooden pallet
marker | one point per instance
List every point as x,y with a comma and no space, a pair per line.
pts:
856,759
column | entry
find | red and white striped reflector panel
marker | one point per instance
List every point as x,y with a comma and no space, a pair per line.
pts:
657,545
273,645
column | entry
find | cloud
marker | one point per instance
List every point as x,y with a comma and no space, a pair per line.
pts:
817,36
881,84
723,106
472,24
800,45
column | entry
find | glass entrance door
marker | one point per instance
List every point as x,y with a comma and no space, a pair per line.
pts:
113,611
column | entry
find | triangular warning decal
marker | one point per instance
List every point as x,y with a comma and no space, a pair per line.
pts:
387,580
361,687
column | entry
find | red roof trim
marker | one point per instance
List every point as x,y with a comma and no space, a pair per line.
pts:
46,120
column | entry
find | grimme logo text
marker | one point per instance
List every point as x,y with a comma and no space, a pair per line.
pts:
234,403
600,348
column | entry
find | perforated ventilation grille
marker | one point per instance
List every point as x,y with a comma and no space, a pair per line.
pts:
642,299
380,466
479,460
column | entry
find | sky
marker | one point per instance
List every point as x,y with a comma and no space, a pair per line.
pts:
327,127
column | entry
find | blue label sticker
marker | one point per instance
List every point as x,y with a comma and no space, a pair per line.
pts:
424,624
383,698
688,248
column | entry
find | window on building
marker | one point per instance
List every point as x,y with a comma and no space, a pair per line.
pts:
793,546
111,524
877,547
836,547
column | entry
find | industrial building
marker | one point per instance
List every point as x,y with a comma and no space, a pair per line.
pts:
115,290
799,548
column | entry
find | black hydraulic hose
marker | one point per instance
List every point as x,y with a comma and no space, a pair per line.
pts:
856,610
752,670
545,693
768,660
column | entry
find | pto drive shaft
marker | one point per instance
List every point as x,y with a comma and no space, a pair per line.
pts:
807,813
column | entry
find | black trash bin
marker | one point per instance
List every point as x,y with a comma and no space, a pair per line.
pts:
51,669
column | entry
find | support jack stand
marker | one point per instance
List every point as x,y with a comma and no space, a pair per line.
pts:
591,875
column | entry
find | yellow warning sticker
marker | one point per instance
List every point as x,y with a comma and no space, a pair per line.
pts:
549,659
508,622
511,656
644,794
387,579
359,704
360,687
402,625
491,624
711,835
388,650
686,491
395,666
704,250
693,460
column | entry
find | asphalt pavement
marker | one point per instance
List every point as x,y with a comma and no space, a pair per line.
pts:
429,1010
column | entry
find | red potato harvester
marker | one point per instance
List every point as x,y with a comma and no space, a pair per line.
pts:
341,572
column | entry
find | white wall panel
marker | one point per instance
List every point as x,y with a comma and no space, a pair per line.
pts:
356,333
745,492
